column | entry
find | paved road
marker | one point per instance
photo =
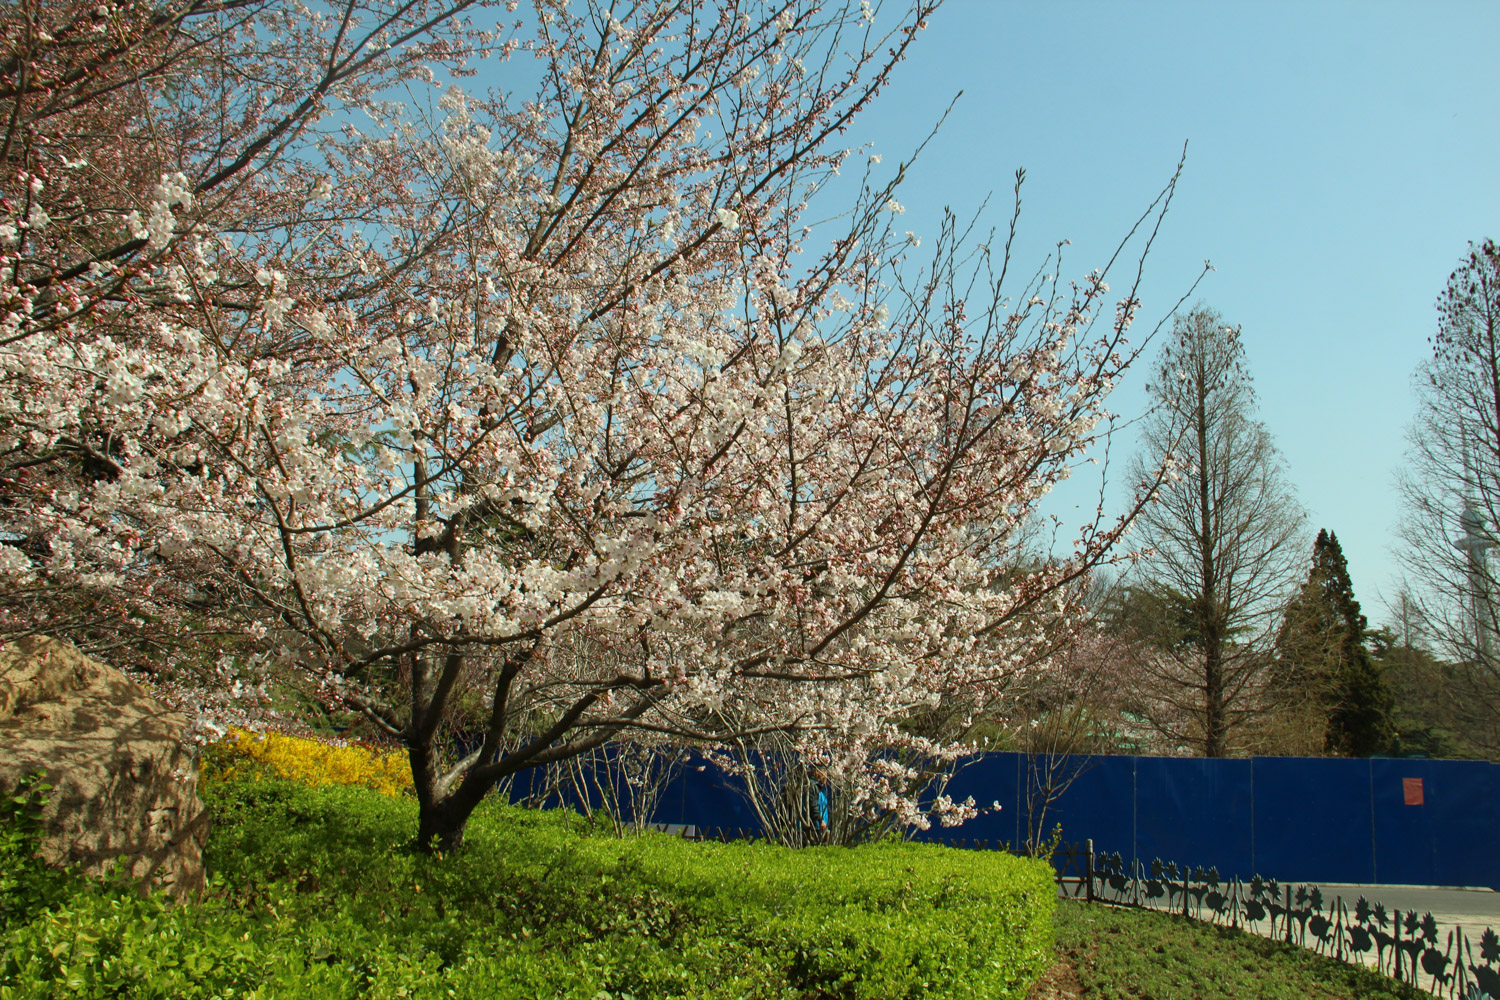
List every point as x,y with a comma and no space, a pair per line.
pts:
1473,910
1470,908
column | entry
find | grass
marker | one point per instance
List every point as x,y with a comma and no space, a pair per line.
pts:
1106,953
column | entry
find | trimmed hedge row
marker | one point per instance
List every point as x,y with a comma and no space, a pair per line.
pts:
313,894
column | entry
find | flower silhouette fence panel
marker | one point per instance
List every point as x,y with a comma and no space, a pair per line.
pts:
1407,945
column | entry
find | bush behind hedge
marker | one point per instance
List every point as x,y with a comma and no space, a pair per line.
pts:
314,893
244,755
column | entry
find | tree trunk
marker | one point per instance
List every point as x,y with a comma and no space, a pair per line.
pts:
1214,723
441,824
442,815
1208,611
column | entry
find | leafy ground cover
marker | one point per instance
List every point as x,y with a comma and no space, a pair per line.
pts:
314,894
1104,953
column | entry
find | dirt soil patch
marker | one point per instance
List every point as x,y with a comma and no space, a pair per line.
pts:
1058,983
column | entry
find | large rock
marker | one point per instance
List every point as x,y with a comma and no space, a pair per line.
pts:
124,784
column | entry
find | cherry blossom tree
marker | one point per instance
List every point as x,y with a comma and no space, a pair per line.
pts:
518,424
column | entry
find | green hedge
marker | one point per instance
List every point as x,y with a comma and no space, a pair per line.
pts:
314,894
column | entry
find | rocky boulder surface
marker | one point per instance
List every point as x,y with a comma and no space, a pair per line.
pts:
124,784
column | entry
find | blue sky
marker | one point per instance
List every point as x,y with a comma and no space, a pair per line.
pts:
1340,158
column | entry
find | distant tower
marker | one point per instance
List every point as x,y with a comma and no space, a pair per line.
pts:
1475,545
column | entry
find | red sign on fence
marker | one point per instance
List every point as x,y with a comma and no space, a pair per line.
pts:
1411,789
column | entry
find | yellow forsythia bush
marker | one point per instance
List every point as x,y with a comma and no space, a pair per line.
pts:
242,754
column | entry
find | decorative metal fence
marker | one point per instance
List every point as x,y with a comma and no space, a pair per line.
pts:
1407,945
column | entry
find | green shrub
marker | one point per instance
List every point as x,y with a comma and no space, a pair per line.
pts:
314,893
28,886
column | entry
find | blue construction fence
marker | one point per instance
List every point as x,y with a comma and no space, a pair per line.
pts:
1295,819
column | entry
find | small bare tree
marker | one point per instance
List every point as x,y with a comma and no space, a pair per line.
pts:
805,795
1068,713
624,780
782,789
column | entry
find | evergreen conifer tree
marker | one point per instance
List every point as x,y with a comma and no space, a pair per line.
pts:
1323,662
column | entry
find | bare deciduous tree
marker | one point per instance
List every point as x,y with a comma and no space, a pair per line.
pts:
1450,489
1226,537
